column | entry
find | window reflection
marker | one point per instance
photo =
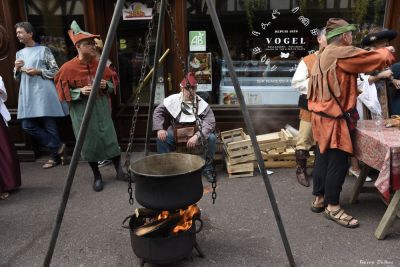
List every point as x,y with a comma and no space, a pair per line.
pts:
51,20
266,39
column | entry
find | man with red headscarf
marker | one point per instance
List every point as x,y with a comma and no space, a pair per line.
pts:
177,111
74,84
332,99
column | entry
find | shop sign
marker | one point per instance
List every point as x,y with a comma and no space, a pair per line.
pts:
200,65
276,40
197,41
137,11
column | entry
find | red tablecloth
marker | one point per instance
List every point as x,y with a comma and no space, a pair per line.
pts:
380,150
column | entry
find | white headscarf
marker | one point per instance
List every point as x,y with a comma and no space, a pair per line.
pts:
3,98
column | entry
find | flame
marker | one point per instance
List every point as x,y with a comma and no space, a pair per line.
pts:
163,215
186,222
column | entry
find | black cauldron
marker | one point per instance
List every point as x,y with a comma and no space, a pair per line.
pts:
168,181
163,249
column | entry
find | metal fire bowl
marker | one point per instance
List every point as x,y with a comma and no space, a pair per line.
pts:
159,250
168,181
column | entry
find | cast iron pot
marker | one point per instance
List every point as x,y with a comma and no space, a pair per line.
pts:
168,181
162,250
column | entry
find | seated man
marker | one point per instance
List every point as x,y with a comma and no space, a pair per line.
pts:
177,111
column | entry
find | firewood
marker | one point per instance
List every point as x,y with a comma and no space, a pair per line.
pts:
146,213
158,227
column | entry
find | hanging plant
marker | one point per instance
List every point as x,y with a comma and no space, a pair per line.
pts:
303,6
360,10
250,6
377,9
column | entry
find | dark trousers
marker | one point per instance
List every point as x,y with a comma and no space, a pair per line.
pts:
329,172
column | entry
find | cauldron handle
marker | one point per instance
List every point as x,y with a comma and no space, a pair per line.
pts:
126,226
201,224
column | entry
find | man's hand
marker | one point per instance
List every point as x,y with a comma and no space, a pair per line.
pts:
103,84
391,49
396,83
86,90
162,135
192,142
18,64
33,71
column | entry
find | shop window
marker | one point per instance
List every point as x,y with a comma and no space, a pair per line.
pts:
266,40
51,20
131,48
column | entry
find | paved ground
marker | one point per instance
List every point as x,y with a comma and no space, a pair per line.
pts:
240,228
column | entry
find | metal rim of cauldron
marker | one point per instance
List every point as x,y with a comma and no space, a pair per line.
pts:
177,189
139,161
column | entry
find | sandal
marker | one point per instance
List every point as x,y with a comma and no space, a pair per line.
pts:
341,217
317,208
50,164
4,195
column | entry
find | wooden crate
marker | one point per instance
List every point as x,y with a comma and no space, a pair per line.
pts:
241,174
237,143
240,167
233,135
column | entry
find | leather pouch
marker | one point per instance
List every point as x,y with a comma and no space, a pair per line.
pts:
183,134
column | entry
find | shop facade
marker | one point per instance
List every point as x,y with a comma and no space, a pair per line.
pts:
266,39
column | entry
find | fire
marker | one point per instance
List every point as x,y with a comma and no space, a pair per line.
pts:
185,222
163,215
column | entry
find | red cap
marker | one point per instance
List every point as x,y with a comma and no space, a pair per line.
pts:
77,35
192,80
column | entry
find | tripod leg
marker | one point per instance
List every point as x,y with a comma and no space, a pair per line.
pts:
201,254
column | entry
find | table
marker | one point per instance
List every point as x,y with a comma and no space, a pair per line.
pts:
379,148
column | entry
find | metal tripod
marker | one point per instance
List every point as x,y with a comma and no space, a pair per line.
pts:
85,122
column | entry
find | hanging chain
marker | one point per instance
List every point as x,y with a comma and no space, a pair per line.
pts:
173,31
199,124
136,106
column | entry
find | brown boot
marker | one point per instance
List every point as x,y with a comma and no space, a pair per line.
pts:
301,171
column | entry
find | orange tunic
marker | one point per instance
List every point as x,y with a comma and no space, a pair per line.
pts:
342,79
309,60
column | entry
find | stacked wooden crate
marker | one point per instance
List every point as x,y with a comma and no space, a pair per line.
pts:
277,149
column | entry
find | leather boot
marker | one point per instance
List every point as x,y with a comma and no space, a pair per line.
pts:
301,171
98,184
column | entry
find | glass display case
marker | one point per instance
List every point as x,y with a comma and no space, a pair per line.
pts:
261,82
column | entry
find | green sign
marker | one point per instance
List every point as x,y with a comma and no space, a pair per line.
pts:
197,41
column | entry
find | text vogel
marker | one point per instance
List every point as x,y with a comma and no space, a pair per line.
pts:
287,40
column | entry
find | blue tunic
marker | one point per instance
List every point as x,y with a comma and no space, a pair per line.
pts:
37,94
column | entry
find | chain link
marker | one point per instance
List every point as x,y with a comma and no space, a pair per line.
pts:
173,31
199,124
136,106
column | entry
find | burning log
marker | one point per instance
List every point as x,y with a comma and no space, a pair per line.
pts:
158,227
166,222
145,213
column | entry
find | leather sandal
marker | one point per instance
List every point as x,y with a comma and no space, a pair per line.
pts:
317,208
4,195
50,164
341,217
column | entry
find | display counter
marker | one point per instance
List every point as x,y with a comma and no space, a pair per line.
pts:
260,83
